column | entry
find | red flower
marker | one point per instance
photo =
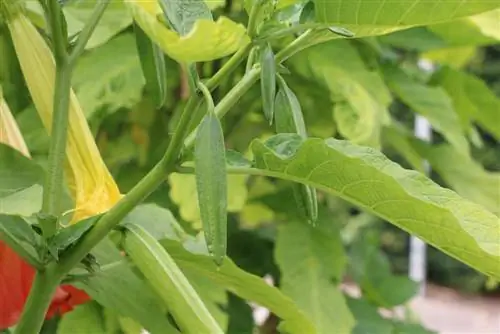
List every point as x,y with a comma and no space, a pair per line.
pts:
16,277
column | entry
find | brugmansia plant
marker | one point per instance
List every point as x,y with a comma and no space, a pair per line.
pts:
164,155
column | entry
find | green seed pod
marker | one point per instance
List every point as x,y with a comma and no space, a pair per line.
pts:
211,181
289,119
268,81
163,274
153,67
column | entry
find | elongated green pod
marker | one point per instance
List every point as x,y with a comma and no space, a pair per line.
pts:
211,181
289,119
153,67
163,274
268,81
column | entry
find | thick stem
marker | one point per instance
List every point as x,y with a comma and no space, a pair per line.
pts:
43,288
53,187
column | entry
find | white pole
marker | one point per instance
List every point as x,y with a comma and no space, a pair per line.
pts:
418,249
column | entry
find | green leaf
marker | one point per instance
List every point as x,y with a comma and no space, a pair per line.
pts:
430,102
113,21
102,81
397,137
207,40
84,319
162,273
312,260
69,234
17,232
243,284
117,287
472,99
376,17
467,177
153,67
368,319
408,199
360,95
371,269
479,29
182,15
20,183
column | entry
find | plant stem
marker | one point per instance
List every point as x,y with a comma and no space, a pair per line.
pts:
88,30
59,39
53,187
43,288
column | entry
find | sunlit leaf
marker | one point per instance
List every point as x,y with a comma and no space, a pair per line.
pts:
376,17
407,199
84,319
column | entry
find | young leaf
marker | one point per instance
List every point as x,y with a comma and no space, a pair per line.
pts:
211,182
408,199
268,81
168,280
153,67
289,119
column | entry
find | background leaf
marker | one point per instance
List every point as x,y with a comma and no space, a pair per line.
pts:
312,260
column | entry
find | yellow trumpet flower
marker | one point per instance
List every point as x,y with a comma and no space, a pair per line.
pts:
9,131
89,181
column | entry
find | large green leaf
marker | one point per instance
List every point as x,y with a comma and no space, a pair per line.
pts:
17,232
311,260
102,81
376,17
360,95
20,183
472,99
408,199
468,178
207,40
431,102
243,284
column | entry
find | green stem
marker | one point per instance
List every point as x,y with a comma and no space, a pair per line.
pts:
59,39
43,288
88,30
53,187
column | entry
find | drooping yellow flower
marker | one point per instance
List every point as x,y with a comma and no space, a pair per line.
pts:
89,181
9,131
